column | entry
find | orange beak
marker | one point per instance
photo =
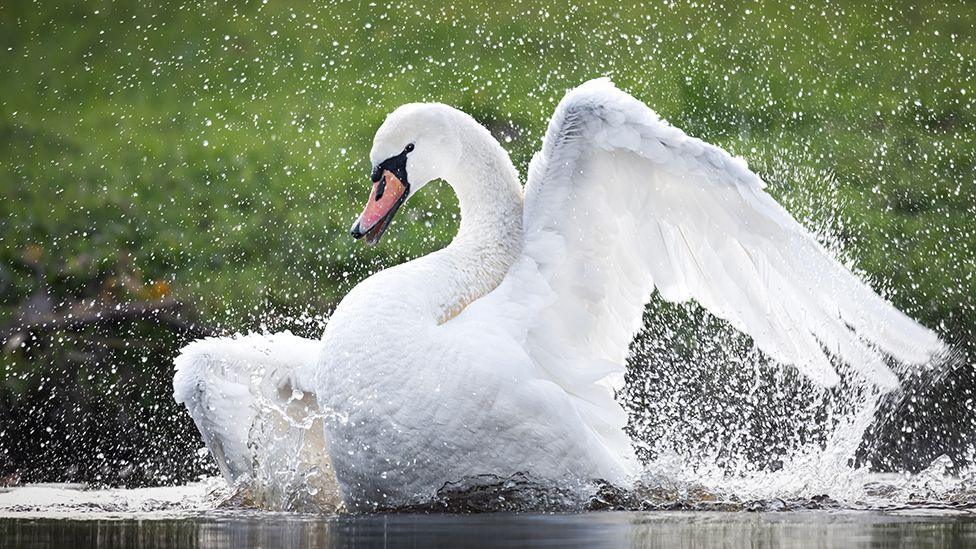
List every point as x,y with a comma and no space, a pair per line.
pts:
385,199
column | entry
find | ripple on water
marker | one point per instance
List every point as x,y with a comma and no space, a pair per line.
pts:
933,490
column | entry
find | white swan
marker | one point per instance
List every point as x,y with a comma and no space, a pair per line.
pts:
493,354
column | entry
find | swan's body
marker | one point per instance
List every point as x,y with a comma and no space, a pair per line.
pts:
494,354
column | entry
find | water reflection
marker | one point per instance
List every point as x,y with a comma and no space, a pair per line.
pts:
591,530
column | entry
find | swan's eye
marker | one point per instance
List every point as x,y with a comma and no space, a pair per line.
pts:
408,148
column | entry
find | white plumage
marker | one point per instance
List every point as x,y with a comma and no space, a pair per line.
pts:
699,223
497,354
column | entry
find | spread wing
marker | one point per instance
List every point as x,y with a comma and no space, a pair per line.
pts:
619,203
251,396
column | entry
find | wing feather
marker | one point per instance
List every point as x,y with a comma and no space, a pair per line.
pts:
619,202
231,386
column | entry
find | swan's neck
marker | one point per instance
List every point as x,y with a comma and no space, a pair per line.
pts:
490,236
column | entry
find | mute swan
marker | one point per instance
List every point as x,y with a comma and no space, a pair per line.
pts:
493,355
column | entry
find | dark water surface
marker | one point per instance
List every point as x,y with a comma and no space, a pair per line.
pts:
592,530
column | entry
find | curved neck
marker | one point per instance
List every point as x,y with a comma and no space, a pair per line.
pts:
489,193
490,236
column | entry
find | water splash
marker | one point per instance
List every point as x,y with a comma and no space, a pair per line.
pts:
716,423
711,414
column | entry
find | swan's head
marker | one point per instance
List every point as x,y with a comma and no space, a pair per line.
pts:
416,144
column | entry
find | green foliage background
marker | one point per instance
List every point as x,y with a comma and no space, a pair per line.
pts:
218,152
